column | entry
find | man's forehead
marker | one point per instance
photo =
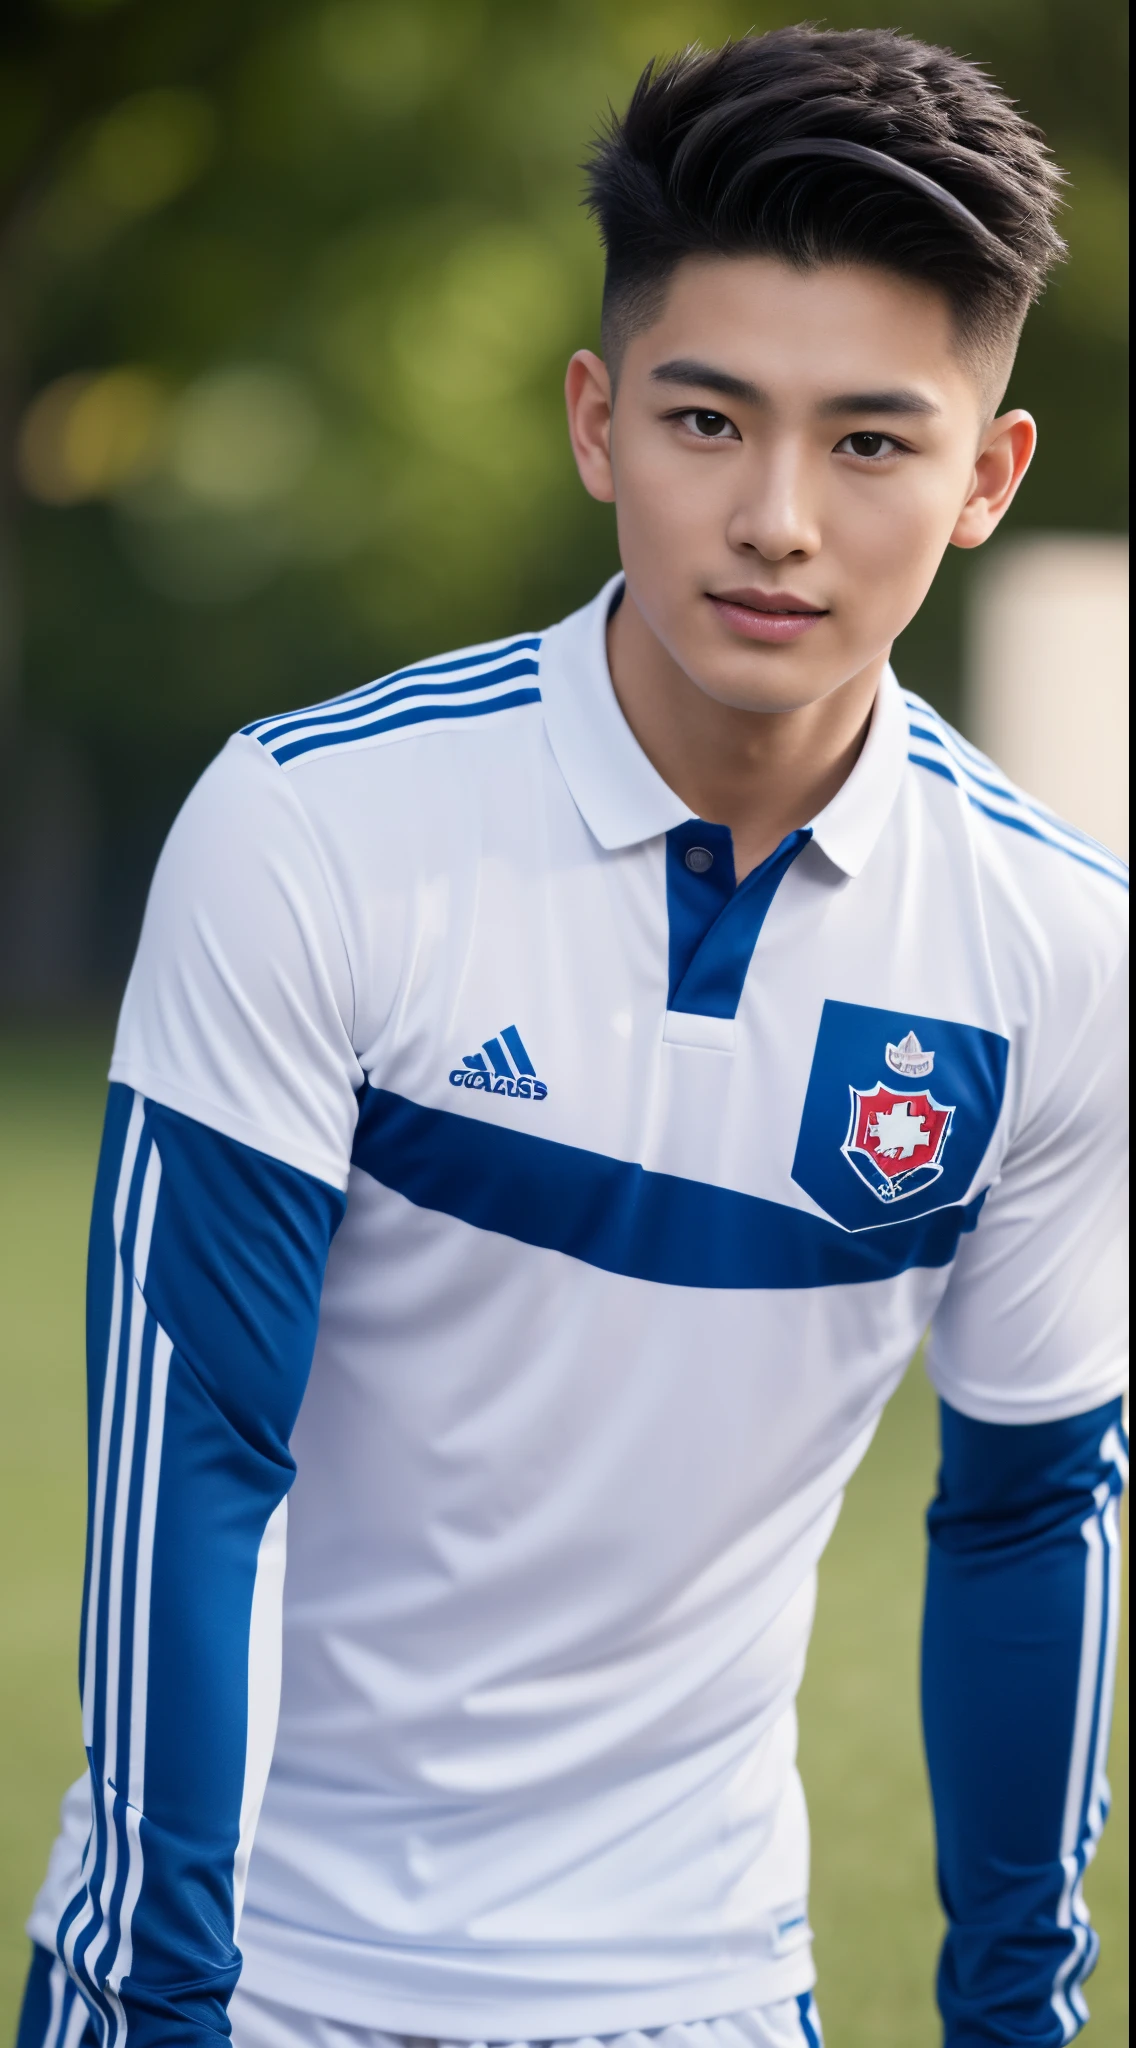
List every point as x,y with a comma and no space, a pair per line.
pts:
847,330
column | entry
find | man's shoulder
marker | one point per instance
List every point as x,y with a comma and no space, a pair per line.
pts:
464,691
1036,872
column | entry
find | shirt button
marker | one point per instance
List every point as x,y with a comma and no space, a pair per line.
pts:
699,860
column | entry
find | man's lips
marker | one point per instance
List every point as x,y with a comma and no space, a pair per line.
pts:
772,616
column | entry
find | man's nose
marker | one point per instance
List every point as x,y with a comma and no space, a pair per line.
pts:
777,515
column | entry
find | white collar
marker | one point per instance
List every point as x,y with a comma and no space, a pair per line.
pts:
621,798
624,800
850,824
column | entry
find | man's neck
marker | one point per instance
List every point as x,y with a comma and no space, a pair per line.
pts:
760,773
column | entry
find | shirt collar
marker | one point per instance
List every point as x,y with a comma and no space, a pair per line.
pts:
622,798
849,826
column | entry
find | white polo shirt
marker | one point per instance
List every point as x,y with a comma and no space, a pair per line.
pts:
653,1187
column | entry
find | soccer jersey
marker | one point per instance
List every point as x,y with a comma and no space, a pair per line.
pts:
641,1188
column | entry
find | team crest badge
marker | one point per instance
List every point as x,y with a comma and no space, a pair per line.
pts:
896,1134
891,1133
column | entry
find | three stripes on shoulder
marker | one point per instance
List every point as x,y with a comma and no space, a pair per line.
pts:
499,677
502,676
937,747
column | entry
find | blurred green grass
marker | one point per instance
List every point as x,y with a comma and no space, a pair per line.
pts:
874,1905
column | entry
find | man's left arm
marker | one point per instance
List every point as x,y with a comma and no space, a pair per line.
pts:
1019,1657
1028,1354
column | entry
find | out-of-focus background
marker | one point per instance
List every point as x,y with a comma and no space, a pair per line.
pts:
286,289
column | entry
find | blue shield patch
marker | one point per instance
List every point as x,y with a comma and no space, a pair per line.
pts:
898,1113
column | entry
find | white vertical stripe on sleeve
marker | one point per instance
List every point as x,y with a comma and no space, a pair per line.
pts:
264,1664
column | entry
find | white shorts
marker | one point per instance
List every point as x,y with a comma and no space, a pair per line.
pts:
791,2023
57,2018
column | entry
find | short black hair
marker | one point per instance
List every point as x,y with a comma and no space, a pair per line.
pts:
677,177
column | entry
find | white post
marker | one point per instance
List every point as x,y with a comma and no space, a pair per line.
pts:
1047,675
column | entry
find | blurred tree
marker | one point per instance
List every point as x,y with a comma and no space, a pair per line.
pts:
288,286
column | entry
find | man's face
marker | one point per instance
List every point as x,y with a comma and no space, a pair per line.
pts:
790,454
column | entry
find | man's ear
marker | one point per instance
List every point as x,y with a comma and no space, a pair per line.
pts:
588,396
1004,456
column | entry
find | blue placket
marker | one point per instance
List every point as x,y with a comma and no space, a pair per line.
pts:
714,921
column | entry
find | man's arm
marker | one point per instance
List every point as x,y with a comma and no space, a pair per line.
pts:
224,1164
1028,1355
206,1264
1019,1655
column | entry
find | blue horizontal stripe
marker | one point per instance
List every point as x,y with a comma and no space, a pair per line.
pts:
399,675
415,716
1101,866
615,1214
387,696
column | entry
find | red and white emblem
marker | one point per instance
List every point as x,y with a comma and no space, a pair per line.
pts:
896,1139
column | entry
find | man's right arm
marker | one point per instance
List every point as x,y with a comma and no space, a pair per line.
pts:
222,1180
206,1264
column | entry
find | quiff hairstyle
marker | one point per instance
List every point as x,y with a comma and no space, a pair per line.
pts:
676,177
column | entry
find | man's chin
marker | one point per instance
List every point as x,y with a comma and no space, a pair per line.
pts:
765,695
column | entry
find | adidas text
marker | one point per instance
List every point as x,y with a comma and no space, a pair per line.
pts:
525,1086
502,1067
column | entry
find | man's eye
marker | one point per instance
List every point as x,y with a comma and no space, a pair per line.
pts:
869,447
711,426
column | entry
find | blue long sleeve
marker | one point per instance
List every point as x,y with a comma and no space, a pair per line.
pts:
1019,1651
206,1265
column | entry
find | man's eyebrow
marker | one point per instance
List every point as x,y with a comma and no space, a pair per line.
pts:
891,403
696,376
704,377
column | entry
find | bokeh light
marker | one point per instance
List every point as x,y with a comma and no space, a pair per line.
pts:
88,434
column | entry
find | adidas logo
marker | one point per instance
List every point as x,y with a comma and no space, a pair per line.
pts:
502,1067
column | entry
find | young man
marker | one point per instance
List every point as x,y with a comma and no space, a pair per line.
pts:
558,1087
